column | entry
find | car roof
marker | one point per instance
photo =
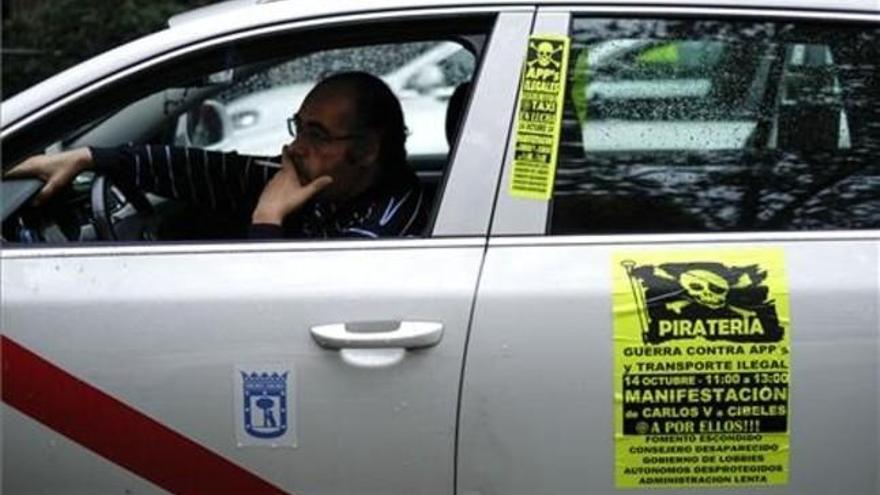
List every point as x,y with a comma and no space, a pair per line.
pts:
319,8
237,15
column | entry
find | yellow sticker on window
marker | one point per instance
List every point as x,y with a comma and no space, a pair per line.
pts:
701,368
539,117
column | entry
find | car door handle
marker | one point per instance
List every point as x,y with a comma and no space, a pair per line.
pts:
378,334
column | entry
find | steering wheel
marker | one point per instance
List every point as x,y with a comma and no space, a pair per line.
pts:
121,213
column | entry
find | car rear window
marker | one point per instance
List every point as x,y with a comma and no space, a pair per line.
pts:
703,126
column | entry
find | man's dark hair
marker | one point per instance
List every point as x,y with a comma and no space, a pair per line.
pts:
377,109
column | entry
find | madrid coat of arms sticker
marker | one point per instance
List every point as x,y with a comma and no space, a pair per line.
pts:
264,406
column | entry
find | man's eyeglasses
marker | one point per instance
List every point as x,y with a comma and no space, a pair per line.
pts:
314,135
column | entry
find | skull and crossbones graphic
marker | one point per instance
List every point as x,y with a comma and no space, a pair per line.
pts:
545,52
707,289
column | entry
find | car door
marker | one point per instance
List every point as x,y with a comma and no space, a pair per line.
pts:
317,367
688,312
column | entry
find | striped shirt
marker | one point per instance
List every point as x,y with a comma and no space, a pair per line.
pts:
230,184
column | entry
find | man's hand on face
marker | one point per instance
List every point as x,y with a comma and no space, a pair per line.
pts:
57,171
285,193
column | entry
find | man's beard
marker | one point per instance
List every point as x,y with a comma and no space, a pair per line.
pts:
301,170
328,194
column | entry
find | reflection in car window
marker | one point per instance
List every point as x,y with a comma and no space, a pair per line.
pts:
378,59
258,121
693,126
458,67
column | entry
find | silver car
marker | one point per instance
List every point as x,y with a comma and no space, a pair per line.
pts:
659,270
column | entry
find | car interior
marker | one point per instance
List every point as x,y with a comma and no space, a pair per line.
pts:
189,111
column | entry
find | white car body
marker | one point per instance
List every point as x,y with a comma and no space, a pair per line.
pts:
477,359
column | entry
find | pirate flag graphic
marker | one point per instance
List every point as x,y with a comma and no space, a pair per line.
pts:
703,300
546,54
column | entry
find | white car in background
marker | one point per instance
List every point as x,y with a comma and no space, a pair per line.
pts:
258,120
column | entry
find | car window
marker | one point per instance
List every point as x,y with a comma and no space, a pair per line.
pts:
259,105
695,126
216,129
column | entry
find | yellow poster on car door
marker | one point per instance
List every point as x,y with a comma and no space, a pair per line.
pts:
701,368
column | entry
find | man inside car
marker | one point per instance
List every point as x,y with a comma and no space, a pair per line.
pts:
344,174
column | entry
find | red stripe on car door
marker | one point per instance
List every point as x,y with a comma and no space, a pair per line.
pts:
116,431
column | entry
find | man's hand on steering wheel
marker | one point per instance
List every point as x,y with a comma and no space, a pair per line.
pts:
57,171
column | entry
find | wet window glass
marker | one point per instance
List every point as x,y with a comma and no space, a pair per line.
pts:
695,126
422,74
